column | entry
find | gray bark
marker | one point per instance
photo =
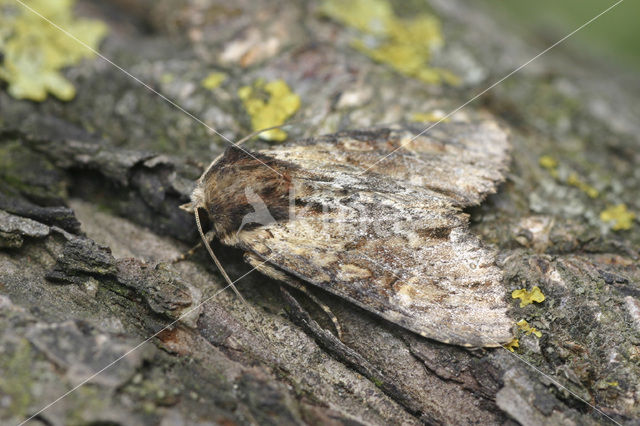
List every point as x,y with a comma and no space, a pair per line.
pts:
89,223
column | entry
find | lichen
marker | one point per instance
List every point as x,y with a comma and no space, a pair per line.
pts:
512,345
214,80
429,117
269,104
550,164
167,78
29,172
15,384
88,399
524,326
34,51
406,44
574,180
618,216
528,297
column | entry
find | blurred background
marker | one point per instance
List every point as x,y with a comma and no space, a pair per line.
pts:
613,36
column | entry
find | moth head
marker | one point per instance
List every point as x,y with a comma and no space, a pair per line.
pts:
207,194
222,189
197,200
242,191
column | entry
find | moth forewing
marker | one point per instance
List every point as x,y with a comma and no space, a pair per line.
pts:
391,240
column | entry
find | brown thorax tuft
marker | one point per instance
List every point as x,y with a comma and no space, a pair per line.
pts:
238,191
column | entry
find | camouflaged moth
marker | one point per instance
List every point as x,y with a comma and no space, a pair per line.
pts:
392,239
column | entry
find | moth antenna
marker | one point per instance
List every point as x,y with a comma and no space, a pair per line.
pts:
216,261
246,138
224,274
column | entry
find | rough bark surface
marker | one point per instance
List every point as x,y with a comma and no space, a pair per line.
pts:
89,223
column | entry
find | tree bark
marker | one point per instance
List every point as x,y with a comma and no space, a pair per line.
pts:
89,224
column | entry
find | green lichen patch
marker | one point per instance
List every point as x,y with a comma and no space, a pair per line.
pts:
405,44
269,104
31,174
16,379
35,51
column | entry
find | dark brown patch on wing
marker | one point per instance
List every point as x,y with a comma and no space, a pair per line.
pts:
441,233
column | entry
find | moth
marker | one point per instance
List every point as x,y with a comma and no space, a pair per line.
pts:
374,217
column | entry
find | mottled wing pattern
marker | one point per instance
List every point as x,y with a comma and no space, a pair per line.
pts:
392,240
465,161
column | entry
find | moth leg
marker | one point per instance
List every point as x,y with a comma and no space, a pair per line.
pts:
187,254
301,287
272,272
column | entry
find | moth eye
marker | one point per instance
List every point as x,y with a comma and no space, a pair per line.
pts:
204,218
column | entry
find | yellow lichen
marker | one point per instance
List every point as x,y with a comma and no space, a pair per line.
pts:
549,163
35,51
524,326
512,345
214,80
528,297
406,44
618,216
269,104
422,117
574,180
167,78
